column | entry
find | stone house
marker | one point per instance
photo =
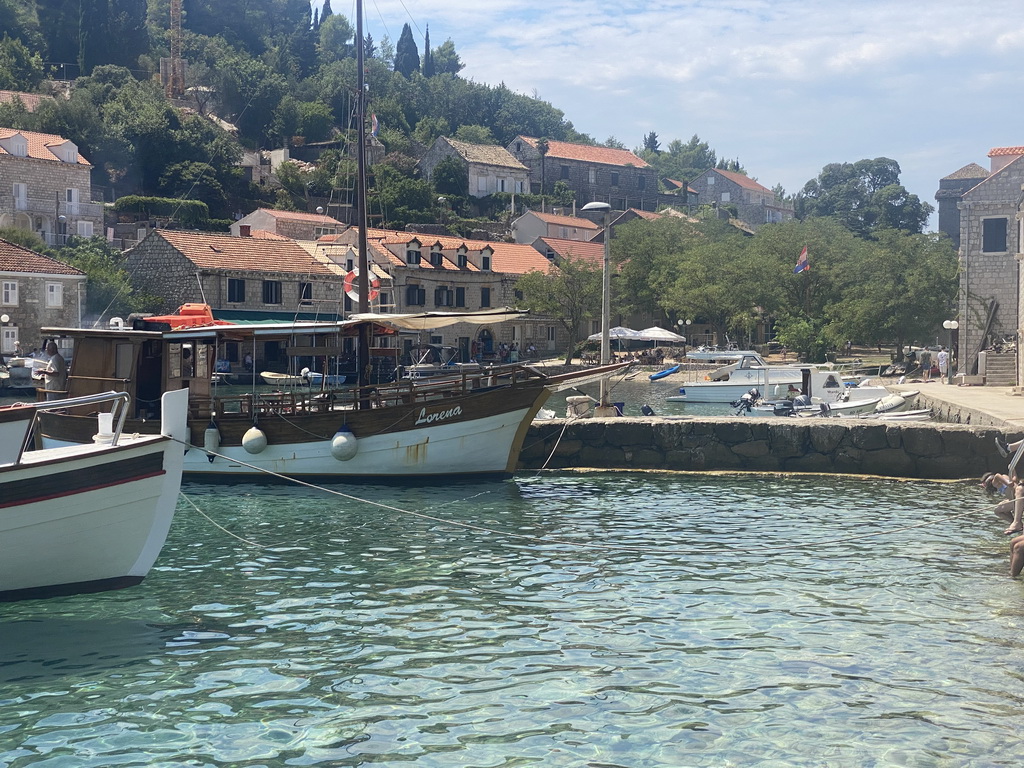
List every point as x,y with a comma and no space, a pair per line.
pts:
424,273
534,224
45,187
951,192
295,225
594,174
239,277
490,169
989,217
36,291
755,204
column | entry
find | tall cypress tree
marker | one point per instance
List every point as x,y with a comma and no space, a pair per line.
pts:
428,57
407,55
326,11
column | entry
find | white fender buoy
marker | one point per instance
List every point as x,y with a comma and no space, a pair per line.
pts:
211,441
254,440
344,444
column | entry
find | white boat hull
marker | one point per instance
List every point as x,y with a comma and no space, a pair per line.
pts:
740,382
88,518
480,446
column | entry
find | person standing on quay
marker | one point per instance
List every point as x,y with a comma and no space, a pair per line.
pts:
943,361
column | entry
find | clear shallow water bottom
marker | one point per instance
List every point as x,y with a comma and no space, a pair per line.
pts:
711,621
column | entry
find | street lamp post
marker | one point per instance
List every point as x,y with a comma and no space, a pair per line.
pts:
684,325
950,325
606,301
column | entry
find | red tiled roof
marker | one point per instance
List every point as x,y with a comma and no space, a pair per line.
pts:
314,218
589,251
743,181
588,154
264,234
39,144
244,253
509,258
30,100
1004,151
649,215
565,221
15,258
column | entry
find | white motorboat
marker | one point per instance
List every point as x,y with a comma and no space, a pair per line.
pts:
89,517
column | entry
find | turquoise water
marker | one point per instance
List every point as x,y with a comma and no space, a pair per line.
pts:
616,620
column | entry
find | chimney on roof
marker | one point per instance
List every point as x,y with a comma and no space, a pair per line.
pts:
244,230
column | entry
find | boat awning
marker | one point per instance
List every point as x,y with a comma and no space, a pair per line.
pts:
252,316
426,320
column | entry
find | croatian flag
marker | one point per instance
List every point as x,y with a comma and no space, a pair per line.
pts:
802,264
374,125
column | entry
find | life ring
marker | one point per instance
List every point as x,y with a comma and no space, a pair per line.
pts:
352,288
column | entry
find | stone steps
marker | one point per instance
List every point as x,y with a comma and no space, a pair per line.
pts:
1000,369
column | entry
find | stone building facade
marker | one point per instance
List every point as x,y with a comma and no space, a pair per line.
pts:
45,187
490,169
951,191
296,225
990,252
755,204
594,174
243,275
36,291
533,224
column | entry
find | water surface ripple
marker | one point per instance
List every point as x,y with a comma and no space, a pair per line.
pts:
718,621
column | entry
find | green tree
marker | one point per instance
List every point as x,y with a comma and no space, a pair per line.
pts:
407,55
865,197
20,68
475,134
651,143
110,292
445,59
570,294
428,56
336,39
450,177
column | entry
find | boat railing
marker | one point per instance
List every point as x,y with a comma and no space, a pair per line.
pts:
403,392
118,412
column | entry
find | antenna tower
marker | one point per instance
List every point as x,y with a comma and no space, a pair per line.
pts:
176,81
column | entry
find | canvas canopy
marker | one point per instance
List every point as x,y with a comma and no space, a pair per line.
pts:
659,334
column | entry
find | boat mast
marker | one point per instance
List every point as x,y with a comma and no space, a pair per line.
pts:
363,349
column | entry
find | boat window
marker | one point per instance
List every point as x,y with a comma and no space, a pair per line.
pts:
124,361
830,382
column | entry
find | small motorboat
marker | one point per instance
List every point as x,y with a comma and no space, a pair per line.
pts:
316,379
283,379
665,372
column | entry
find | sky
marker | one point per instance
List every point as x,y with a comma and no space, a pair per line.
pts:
785,87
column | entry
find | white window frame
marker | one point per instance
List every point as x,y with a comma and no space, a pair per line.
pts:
84,228
20,192
71,198
481,183
8,339
726,197
711,181
54,295
9,297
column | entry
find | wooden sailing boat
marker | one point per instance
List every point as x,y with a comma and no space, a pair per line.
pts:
471,422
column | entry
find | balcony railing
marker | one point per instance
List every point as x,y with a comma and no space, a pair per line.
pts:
51,207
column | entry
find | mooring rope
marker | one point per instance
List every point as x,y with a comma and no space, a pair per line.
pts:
841,540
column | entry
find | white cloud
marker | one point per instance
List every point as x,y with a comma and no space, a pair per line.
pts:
786,86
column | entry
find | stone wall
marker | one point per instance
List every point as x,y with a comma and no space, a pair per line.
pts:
887,449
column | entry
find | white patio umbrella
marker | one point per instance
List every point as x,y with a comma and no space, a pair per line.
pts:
659,334
618,332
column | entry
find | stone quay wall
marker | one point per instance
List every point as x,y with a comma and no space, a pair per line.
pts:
925,450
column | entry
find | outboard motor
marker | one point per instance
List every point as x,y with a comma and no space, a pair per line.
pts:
802,400
747,402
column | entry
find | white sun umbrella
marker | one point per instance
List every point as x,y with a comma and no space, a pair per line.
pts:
658,334
618,332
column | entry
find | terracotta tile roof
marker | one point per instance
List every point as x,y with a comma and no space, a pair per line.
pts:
30,100
266,234
509,258
485,154
313,218
969,171
744,181
15,258
589,251
39,145
649,215
244,253
1004,151
588,154
565,221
